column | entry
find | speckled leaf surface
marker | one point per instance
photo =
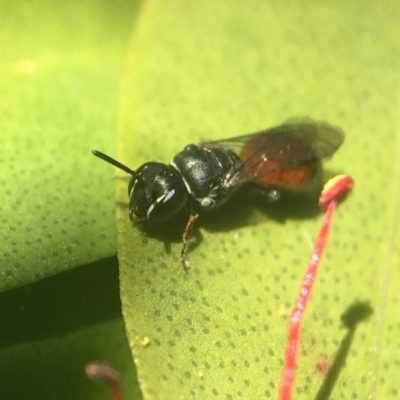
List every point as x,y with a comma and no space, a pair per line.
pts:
212,70
60,68
59,80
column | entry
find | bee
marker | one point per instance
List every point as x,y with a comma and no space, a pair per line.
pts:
203,176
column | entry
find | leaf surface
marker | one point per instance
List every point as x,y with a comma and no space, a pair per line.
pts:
212,70
54,327
59,79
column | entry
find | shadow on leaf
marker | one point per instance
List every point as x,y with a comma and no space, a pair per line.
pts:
356,313
61,304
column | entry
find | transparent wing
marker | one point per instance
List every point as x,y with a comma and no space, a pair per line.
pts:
295,144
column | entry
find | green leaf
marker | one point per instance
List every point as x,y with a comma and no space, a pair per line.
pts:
212,70
59,80
54,327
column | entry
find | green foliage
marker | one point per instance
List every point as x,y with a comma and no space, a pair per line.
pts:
59,97
54,327
59,81
194,71
232,68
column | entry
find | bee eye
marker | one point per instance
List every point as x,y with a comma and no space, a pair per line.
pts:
156,193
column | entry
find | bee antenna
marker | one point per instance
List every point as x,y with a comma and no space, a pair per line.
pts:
111,161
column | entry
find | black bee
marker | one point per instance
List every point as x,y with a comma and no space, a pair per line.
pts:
203,176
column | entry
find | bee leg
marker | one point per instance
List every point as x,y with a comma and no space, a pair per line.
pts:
185,239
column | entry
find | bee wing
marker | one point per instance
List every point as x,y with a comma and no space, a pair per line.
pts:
294,143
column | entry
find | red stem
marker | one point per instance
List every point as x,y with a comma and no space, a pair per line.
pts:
300,305
115,393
